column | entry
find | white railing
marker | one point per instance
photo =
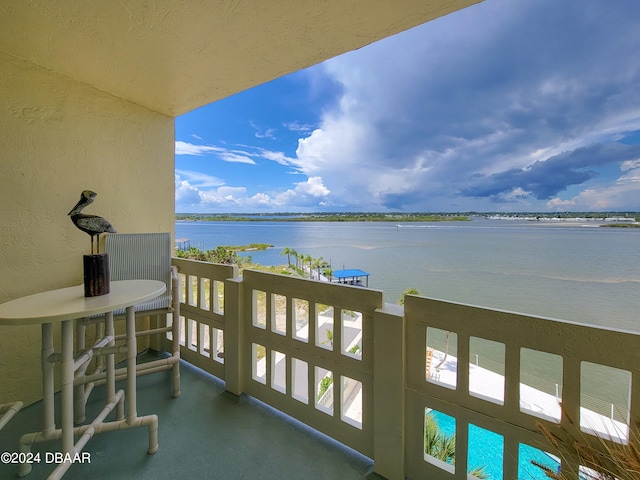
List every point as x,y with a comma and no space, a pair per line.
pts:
365,373
308,351
203,309
509,407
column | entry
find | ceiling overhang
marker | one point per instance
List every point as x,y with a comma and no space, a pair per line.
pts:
173,56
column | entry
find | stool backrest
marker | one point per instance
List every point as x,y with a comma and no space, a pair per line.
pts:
145,256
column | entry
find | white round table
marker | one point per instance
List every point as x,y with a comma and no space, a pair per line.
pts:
64,306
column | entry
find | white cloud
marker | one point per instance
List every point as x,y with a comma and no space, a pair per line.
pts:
559,205
199,179
312,187
268,133
261,132
473,111
246,154
224,196
623,195
236,157
185,148
261,199
311,193
517,194
630,165
477,93
190,197
225,154
299,127
278,157
186,195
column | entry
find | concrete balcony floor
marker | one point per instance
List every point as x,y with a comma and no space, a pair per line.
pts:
202,434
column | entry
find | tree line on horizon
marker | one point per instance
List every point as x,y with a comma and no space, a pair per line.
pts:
323,217
390,217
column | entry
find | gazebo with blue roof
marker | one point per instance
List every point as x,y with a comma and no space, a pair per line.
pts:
351,276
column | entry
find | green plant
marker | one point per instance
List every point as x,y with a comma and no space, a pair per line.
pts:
222,255
288,252
219,255
409,291
606,459
436,443
443,447
325,383
329,338
192,253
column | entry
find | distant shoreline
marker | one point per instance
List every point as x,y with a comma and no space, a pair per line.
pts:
604,219
319,217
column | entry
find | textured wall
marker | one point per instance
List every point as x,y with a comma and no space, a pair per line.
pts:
59,137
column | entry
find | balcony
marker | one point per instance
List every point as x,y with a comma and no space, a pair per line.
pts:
202,434
356,379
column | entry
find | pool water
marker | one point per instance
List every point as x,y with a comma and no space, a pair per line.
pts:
486,449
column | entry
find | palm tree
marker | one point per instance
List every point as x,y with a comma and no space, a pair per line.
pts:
604,460
479,472
312,264
294,254
318,262
443,447
446,350
287,251
307,258
433,439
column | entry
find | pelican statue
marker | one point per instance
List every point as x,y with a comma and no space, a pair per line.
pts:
91,224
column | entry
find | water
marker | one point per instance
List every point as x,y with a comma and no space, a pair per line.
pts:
486,449
566,271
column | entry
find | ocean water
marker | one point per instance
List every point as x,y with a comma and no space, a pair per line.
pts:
569,271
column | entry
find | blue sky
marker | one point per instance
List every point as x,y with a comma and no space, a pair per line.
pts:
528,105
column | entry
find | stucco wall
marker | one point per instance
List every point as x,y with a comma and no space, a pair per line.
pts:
58,138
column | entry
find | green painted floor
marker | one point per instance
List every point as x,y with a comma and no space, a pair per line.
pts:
203,434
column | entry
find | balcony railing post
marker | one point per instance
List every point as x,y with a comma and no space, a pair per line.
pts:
233,336
388,392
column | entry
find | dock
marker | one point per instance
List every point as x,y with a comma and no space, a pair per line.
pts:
352,276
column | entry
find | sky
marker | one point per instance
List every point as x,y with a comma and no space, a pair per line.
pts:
505,106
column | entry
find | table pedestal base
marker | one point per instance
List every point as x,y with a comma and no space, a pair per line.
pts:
8,411
71,448
85,433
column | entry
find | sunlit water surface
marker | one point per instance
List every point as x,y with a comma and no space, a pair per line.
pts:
577,272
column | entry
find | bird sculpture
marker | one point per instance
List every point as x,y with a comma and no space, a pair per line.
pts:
91,224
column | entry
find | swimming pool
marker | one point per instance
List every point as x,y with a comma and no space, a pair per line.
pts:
487,449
